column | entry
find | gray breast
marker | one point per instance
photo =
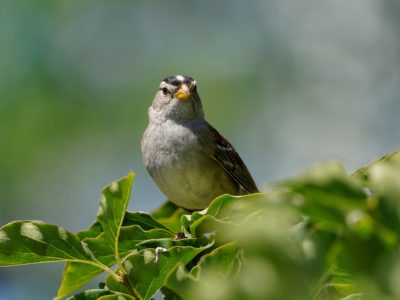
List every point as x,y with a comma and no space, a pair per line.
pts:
180,166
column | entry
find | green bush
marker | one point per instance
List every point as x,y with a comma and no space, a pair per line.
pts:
321,235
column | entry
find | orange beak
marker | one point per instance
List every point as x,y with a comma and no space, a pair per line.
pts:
183,93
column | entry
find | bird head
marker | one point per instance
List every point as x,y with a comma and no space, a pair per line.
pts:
177,99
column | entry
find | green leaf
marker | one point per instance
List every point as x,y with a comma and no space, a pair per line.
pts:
99,294
116,286
75,275
148,269
167,243
221,260
335,284
169,215
222,207
169,294
28,242
220,263
144,220
356,296
327,195
94,230
363,174
166,210
329,184
224,211
90,295
385,180
117,297
129,238
181,282
113,204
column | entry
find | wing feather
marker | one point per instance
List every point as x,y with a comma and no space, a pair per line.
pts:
226,155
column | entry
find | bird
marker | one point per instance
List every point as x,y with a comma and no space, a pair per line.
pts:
187,158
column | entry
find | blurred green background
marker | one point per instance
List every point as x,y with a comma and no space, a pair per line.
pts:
288,82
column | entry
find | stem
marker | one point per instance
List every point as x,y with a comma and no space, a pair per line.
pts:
116,239
122,278
131,289
117,257
117,278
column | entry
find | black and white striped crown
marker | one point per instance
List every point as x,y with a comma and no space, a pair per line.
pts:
179,79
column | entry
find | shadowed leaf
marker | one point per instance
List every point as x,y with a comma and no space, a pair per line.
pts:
148,269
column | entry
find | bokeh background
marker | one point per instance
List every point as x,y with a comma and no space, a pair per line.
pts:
290,83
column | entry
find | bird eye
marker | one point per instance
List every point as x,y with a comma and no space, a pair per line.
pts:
164,91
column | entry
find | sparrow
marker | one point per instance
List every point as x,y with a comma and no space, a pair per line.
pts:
187,158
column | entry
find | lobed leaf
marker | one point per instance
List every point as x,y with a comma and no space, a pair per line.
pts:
93,231
169,215
148,269
224,211
117,297
113,204
90,295
100,294
143,220
222,261
28,242
167,209
76,275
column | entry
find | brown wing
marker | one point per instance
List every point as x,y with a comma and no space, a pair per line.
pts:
226,155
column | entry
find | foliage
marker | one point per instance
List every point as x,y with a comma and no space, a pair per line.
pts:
321,235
